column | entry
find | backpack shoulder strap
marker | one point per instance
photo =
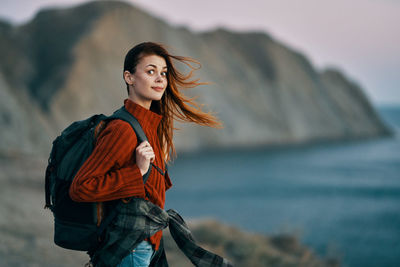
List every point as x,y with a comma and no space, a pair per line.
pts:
124,115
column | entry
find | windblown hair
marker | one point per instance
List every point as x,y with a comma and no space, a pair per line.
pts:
173,104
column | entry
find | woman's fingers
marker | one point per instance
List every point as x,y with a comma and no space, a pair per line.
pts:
140,145
145,150
148,154
144,146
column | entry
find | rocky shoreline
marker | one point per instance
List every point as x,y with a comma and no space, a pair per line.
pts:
27,230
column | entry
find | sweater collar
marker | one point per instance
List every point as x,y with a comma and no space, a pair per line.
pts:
147,118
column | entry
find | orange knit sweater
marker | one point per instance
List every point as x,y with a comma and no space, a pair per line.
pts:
111,172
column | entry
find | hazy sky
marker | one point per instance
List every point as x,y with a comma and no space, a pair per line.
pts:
360,37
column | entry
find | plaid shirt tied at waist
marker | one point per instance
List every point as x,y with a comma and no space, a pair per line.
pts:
140,219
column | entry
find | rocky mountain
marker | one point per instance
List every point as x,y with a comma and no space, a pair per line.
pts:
66,64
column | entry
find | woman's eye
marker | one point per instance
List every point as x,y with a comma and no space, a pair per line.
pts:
164,73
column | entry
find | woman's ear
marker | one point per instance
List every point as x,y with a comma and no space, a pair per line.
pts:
128,77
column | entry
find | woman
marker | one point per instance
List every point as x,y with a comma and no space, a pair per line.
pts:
116,167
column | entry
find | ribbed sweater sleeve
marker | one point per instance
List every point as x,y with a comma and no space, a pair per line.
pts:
110,171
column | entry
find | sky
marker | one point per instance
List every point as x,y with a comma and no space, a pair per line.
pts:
359,37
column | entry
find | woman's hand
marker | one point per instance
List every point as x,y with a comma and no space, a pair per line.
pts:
144,155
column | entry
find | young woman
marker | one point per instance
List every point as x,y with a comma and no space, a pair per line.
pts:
116,167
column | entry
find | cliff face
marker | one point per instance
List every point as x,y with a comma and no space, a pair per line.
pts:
66,64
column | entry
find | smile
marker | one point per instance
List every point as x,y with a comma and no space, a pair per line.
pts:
159,89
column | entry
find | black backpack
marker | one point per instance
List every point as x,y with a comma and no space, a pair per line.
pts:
77,225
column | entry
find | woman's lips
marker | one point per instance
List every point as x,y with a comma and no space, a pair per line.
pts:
159,89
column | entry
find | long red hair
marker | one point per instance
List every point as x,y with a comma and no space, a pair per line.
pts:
173,104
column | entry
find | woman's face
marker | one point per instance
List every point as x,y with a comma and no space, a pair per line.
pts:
149,80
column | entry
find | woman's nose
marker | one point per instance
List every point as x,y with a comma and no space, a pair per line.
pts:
159,78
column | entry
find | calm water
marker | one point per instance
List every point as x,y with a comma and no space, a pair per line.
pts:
342,199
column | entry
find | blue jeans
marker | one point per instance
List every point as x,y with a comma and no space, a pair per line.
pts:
140,257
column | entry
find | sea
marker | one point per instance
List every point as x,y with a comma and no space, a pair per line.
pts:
341,199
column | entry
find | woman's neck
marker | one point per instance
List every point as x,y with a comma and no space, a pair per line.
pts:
144,103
